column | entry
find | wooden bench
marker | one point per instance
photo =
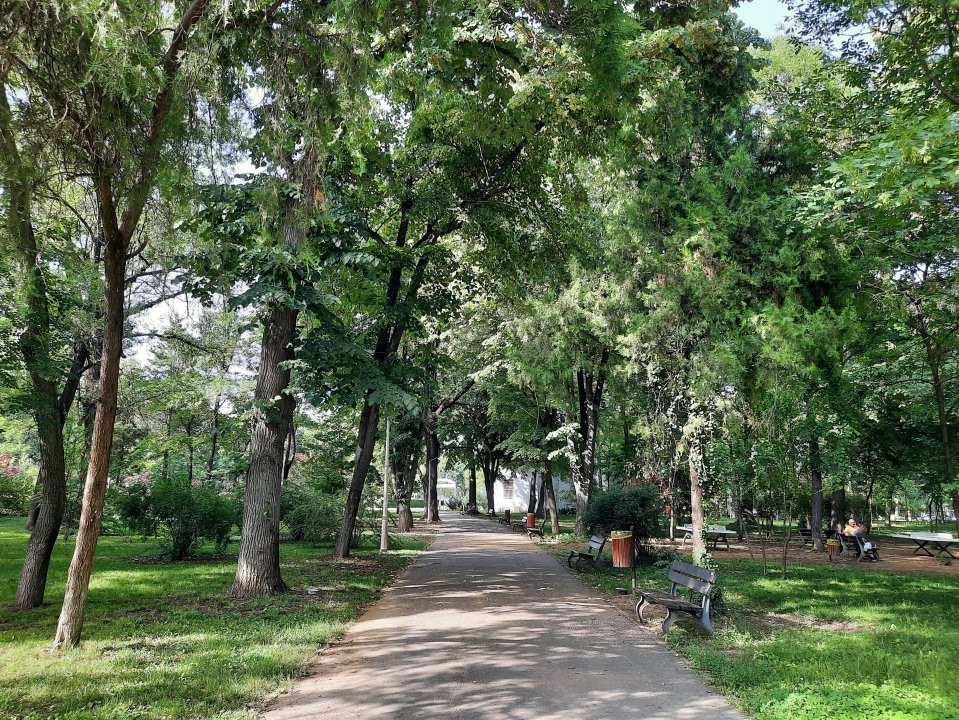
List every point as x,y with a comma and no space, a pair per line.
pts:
699,581
593,553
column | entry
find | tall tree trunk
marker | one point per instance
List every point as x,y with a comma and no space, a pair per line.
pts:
33,577
815,477
489,480
541,497
472,486
531,505
214,437
258,565
70,623
696,502
366,438
404,491
933,358
550,495
837,514
49,499
432,474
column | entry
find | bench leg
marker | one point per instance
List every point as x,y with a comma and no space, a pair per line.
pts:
669,620
569,560
640,606
706,623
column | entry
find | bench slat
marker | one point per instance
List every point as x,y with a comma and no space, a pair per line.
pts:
695,571
700,586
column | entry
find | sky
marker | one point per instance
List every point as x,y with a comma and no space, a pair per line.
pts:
764,15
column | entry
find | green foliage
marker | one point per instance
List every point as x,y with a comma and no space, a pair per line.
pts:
15,487
629,508
186,514
312,513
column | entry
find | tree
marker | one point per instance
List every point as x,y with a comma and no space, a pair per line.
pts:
117,132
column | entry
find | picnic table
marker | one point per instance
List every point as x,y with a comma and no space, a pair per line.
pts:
713,532
940,541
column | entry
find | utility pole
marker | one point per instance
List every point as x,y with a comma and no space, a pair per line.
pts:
384,537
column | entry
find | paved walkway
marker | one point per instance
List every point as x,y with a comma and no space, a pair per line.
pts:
485,625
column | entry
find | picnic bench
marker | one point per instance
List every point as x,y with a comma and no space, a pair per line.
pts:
593,553
699,581
940,541
713,532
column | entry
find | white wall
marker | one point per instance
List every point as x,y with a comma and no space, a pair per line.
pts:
511,491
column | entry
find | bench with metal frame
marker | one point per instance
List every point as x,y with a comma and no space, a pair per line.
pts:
855,546
593,553
699,581
538,531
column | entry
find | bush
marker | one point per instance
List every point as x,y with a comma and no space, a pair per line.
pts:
312,514
636,508
184,513
15,487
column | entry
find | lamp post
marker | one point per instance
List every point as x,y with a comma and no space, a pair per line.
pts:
384,537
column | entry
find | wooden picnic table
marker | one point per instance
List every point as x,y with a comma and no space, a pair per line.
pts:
713,532
940,541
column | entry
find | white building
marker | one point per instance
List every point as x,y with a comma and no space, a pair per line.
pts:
511,490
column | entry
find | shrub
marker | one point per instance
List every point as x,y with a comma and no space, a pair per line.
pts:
635,508
15,487
310,513
183,513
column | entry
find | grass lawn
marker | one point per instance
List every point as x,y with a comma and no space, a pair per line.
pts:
829,642
163,640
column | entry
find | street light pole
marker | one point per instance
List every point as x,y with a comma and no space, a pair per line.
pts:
384,537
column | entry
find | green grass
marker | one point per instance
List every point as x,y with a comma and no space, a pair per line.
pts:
165,641
829,642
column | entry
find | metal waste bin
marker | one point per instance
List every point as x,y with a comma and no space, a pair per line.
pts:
530,520
622,548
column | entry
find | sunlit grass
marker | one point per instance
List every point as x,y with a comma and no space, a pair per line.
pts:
828,642
165,640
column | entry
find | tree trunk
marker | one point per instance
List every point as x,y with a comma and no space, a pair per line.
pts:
33,577
541,498
472,486
432,474
933,359
815,476
696,503
366,437
70,623
258,565
837,515
531,505
489,480
550,495
214,437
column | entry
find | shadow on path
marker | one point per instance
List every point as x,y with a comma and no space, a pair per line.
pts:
484,624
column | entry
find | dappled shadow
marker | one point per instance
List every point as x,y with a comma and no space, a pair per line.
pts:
485,624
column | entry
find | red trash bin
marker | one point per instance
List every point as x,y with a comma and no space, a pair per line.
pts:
622,548
506,515
530,520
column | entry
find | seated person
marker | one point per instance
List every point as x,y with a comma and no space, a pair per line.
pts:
853,529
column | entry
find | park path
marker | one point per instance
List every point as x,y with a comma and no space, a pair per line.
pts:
485,625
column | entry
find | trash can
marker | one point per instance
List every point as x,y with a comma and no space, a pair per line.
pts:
622,548
506,514
833,547
530,520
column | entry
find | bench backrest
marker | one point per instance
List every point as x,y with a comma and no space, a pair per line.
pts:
596,543
697,579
